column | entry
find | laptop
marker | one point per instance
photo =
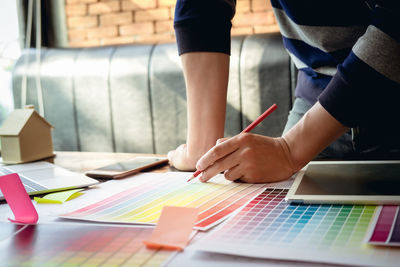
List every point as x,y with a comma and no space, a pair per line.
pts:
44,177
347,182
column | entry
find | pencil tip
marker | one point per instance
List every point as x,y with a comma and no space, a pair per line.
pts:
191,177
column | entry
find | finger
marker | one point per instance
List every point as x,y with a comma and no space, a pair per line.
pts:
221,165
216,153
233,173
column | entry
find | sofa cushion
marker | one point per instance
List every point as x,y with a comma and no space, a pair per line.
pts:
133,99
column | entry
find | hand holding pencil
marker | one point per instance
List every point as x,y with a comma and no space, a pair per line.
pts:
249,157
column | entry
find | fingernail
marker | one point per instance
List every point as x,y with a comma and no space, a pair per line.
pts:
198,167
201,178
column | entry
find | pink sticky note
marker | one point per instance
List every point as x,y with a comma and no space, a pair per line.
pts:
18,200
173,228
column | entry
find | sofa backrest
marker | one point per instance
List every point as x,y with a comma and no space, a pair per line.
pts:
132,98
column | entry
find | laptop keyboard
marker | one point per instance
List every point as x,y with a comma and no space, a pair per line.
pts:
30,186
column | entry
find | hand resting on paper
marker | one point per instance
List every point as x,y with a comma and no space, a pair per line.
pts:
180,159
249,157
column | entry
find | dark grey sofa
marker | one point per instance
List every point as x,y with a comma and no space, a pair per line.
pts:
132,98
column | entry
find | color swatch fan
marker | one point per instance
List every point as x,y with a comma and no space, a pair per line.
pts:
270,228
148,193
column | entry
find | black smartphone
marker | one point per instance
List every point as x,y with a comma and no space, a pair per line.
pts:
127,167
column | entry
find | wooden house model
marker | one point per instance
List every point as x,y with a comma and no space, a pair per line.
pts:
25,136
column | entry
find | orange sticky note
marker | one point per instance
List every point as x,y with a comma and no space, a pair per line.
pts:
173,228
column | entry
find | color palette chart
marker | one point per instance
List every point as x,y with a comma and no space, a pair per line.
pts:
268,227
79,245
147,194
387,227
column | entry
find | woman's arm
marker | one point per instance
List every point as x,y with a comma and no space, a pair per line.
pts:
202,31
206,77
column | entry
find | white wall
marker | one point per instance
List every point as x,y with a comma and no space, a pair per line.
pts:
9,52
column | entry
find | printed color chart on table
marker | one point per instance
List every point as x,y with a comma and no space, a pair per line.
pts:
142,202
268,227
387,227
79,245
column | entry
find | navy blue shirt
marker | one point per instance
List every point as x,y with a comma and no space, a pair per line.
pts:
347,52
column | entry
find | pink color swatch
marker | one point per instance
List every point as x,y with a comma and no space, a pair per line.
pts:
18,200
387,230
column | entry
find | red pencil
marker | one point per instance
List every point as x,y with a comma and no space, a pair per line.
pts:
248,129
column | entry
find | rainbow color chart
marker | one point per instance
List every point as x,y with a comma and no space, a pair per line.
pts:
268,227
79,245
387,227
142,202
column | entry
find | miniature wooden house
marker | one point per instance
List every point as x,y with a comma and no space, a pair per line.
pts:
25,136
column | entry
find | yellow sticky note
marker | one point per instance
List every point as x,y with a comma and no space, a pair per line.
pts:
173,228
59,197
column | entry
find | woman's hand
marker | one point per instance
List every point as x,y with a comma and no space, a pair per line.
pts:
258,159
249,157
180,159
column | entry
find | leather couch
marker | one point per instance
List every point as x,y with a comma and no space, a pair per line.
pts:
132,98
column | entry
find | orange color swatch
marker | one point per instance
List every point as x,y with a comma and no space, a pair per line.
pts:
173,228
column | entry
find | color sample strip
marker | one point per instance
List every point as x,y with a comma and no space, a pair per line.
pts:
387,228
396,231
113,200
212,219
268,227
142,203
173,229
80,245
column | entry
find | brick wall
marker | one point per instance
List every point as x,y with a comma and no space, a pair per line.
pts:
107,22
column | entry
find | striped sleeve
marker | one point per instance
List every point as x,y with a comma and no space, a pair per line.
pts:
366,85
203,25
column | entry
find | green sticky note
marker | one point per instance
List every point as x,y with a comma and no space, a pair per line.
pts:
59,197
